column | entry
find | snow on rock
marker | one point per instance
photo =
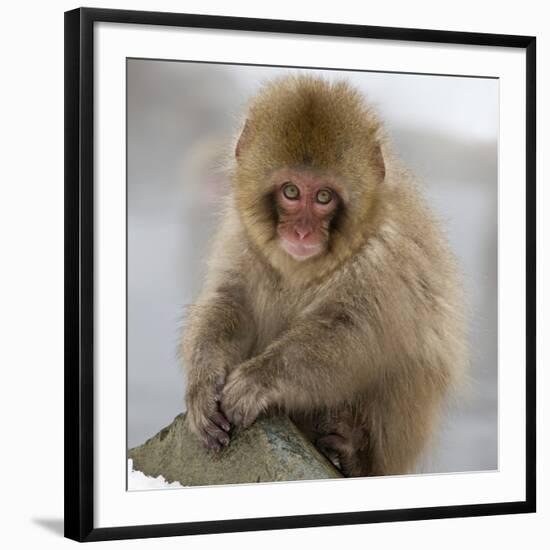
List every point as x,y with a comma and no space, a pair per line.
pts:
138,481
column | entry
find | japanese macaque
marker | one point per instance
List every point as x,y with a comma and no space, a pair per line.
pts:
331,294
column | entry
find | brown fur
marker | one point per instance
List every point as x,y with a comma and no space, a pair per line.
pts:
361,344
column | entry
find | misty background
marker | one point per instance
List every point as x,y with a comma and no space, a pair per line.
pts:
181,121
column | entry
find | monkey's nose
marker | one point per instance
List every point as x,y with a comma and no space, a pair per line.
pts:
301,232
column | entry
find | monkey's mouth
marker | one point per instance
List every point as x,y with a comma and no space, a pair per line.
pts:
301,251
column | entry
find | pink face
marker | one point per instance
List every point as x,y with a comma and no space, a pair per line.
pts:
306,205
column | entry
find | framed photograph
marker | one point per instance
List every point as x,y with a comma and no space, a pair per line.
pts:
300,274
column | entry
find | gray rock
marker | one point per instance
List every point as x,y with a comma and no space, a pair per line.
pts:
272,449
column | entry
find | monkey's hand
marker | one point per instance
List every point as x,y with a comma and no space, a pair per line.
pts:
340,451
203,413
245,395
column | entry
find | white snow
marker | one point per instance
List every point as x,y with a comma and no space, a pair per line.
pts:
138,481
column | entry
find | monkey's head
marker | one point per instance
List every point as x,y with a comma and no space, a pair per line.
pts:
308,171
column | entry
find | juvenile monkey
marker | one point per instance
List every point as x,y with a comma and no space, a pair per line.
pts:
331,294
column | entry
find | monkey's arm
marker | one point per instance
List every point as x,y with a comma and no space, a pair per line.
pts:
217,336
322,359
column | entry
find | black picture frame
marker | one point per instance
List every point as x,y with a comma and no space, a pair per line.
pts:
79,272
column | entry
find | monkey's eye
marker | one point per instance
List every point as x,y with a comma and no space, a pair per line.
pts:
324,196
291,191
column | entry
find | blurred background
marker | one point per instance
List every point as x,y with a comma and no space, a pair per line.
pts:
181,122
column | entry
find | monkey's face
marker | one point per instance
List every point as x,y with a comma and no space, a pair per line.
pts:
305,205
308,172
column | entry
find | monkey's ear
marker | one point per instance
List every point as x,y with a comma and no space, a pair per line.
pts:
244,139
378,162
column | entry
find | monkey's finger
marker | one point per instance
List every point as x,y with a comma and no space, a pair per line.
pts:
240,415
232,414
218,434
212,443
220,420
332,443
